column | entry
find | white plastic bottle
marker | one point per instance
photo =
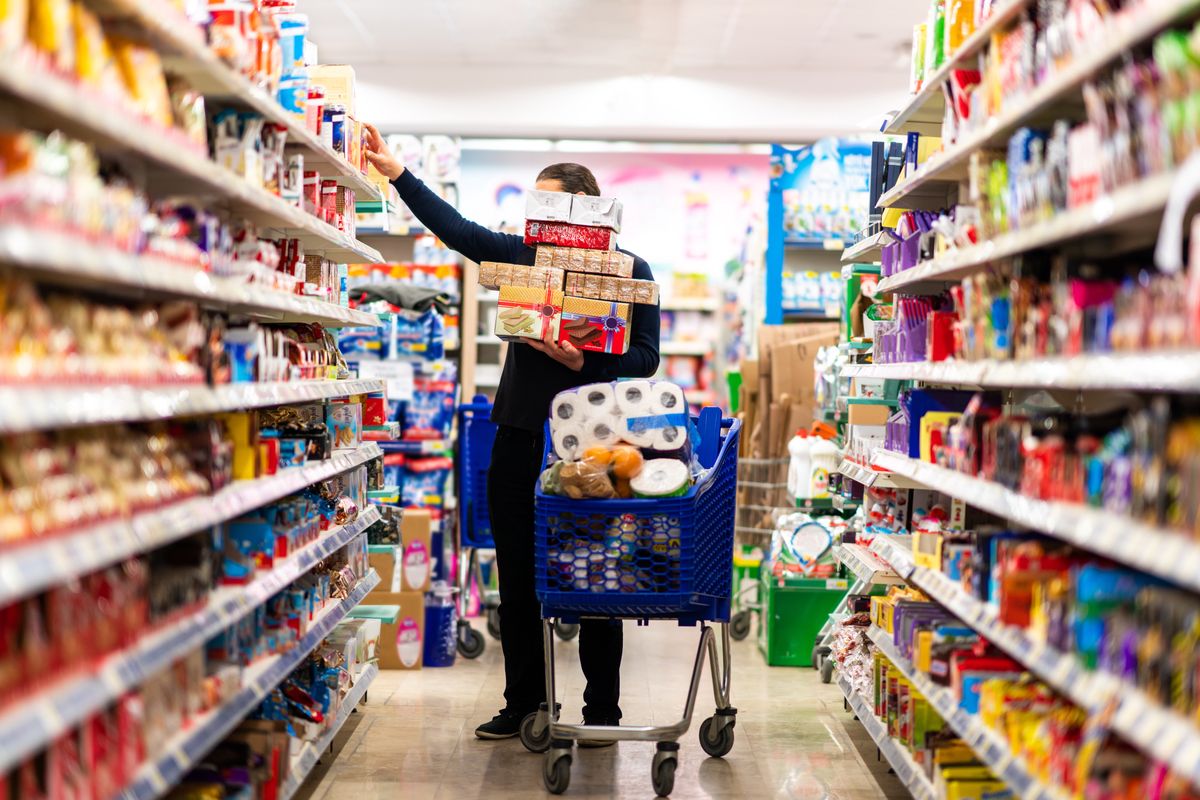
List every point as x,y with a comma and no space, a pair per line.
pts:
823,462
800,467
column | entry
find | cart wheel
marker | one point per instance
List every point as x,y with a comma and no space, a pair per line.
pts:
535,743
827,671
556,773
818,654
739,625
662,771
493,622
566,630
716,744
471,643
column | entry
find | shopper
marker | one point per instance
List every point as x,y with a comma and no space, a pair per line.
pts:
532,376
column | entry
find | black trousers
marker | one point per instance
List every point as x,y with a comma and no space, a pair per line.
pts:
516,465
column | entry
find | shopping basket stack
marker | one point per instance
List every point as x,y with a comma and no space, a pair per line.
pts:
668,558
476,436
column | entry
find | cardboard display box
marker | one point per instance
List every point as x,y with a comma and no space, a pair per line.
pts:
416,535
402,642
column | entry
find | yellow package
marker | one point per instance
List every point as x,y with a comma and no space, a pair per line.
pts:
14,23
142,73
94,62
50,33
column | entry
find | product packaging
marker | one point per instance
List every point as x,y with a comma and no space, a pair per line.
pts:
401,639
345,423
597,325
605,287
494,275
528,313
564,234
547,206
596,212
338,82
573,259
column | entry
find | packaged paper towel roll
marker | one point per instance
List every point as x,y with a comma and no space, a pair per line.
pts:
599,399
570,440
566,407
667,398
662,477
668,438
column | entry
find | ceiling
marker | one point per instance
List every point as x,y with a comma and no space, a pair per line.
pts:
697,70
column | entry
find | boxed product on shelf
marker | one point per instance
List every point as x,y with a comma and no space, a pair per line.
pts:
493,275
345,424
574,259
416,550
528,313
608,287
563,234
596,325
338,82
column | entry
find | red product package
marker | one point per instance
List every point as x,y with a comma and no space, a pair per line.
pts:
563,234
374,410
329,192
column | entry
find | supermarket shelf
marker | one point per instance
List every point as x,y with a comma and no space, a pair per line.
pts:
896,552
865,565
37,721
42,407
926,109
691,304
28,568
989,745
868,250
1127,32
1168,554
1144,723
897,755
685,348
418,447
1109,214
311,752
46,101
873,477
189,746
187,54
61,258
1170,371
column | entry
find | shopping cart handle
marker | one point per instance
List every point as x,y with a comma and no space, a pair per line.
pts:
709,425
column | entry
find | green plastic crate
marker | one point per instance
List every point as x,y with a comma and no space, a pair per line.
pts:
792,616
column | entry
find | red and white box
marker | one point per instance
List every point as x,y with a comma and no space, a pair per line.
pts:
563,234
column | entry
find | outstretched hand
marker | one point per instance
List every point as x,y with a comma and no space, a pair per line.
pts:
566,354
380,155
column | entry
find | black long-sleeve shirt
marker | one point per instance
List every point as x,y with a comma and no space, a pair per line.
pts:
531,378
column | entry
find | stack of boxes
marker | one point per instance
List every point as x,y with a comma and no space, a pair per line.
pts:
405,575
580,290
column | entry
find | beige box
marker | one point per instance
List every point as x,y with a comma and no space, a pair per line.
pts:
401,643
338,80
416,561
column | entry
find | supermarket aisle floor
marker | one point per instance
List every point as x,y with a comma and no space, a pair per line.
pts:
414,739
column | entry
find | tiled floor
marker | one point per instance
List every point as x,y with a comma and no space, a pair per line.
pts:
414,737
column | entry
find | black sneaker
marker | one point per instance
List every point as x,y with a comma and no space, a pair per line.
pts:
598,742
504,725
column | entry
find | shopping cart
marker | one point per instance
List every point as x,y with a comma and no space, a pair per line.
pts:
668,558
477,436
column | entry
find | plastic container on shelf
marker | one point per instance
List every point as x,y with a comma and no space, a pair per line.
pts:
800,466
823,461
441,618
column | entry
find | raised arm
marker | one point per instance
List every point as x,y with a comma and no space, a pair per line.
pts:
439,217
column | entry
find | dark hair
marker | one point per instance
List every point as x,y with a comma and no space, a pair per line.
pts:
574,178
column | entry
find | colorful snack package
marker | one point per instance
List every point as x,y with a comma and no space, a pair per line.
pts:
597,325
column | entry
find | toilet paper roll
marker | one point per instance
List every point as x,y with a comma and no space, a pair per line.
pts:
567,407
604,429
662,477
668,438
667,398
633,397
570,440
599,399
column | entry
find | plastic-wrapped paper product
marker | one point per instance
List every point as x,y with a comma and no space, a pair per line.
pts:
569,440
598,398
662,477
567,407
